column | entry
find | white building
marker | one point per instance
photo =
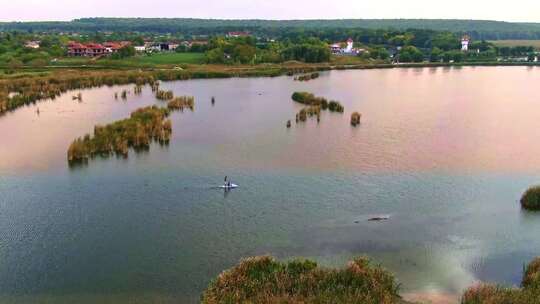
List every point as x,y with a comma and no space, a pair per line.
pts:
32,44
465,43
141,49
349,48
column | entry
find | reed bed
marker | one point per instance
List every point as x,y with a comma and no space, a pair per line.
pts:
355,119
182,102
314,106
530,200
124,94
529,293
144,126
265,280
310,111
164,95
307,77
137,90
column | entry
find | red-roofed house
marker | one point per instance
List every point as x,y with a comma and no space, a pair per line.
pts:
94,49
76,49
237,34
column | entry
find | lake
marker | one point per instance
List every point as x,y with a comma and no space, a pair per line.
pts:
445,152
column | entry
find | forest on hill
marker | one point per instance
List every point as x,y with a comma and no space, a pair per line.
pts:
478,29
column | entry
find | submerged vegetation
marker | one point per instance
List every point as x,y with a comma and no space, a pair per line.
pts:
530,200
493,294
179,103
265,280
144,126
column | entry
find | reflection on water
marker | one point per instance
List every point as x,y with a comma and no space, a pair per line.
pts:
445,152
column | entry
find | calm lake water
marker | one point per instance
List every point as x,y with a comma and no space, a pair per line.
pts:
446,152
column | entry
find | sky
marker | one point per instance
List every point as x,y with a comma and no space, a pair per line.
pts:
40,10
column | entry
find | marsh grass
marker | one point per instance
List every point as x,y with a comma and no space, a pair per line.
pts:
307,77
530,200
355,119
164,95
265,280
182,102
314,106
529,293
144,126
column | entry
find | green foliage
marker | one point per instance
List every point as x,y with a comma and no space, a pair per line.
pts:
530,200
124,52
494,294
306,52
410,54
265,280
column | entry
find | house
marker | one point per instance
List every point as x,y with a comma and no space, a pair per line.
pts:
95,49
349,49
140,49
76,49
335,48
113,47
465,43
237,34
32,44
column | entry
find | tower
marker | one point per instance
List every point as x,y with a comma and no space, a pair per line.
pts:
465,43
350,44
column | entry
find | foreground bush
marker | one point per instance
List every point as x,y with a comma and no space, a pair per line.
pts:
493,294
265,280
531,198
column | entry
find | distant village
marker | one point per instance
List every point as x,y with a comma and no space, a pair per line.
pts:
344,48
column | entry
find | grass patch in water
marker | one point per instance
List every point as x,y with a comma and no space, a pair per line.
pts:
144,126
179,103
530,200
265,280
355,119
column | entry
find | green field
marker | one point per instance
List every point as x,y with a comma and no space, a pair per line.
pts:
151,60
513,43
167,58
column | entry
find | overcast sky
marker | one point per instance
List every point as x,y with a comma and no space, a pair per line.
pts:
33,10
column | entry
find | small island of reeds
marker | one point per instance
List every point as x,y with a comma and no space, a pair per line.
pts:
164,95
144,126
307,77
179,103
314,105
265,280
311,100
355,119
530,200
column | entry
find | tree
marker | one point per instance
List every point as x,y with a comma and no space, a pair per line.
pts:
124,52
216,55
410,54
436,55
